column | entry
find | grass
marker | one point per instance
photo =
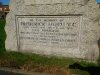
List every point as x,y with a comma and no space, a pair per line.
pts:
38,63
22,58
35,62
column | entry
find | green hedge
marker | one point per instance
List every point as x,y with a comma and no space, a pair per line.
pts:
2,36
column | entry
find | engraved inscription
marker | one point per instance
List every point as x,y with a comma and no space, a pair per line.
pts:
52,31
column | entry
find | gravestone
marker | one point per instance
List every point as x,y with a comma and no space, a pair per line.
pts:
63,28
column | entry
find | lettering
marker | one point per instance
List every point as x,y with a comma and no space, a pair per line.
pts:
52,31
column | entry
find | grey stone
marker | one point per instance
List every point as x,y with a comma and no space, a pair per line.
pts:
77,38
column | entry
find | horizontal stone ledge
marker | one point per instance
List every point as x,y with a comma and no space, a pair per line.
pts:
32,2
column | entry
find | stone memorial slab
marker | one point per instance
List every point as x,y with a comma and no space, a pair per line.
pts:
64,28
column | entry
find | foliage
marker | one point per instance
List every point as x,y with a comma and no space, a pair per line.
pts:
2,36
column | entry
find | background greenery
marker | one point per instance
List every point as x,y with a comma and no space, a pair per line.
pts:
2,36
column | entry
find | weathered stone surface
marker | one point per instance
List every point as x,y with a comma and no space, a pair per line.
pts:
84,19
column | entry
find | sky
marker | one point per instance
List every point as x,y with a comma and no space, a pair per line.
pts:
6,2
98,1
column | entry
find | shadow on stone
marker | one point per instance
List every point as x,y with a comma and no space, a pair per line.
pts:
90,69
99,43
